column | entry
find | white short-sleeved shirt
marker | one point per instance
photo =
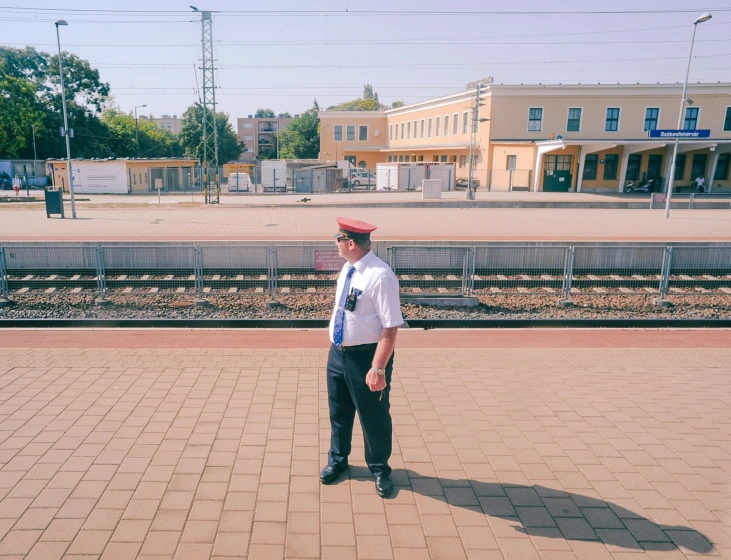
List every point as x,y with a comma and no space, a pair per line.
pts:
378,306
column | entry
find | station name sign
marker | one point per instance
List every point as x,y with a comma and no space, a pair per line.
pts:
680,133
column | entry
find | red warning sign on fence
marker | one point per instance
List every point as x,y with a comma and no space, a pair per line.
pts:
328,260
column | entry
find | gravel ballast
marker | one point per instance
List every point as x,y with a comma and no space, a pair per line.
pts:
316,306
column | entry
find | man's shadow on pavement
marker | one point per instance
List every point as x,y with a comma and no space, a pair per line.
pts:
545,512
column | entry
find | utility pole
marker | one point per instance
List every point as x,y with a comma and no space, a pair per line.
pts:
208,103
66,123
476,120
35,155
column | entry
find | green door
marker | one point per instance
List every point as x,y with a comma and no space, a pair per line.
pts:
557,173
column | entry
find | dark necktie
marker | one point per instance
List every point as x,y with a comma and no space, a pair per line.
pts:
340,314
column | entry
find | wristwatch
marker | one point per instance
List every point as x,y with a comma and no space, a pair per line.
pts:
379,371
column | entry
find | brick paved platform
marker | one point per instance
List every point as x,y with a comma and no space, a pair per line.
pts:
518,444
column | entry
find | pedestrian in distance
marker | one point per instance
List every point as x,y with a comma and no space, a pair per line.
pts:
16,185
363,330
699,184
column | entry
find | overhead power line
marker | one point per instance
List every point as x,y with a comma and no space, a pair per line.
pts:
351,12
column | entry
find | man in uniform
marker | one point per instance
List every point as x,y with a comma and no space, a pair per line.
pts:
363,331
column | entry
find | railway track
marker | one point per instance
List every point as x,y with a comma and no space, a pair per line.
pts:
155,281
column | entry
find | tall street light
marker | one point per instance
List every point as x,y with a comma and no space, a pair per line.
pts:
66,122
700,19
137,129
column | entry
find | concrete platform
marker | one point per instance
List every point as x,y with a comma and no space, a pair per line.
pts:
174,222
519,444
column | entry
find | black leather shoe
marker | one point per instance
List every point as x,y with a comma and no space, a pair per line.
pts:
384,486
330,474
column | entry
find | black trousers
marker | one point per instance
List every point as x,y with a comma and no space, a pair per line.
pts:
347,393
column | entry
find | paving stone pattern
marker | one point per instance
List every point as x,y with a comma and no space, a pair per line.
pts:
499,453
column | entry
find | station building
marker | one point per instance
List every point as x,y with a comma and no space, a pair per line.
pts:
125,175
590,138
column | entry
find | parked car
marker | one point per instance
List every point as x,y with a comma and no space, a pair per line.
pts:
360,177
6,182
239,182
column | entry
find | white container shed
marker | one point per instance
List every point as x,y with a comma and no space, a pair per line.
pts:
408,176
399,176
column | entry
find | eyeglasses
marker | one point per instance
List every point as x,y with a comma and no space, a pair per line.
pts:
339,239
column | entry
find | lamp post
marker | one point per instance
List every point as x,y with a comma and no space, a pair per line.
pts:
137,129
66,122
671,179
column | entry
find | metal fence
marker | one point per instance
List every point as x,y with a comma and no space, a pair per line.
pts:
276,270
503,180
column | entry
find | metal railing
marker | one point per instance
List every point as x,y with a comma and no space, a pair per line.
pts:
276,270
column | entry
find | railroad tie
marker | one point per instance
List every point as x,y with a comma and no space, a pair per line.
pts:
523,290
259,290
122,277
233,290
287,277
701,290
495,290
216,277
549,290
50,290
639,277
502,277
286,290
180,290
442,290
262,277
75,277
75,290
592,277
191,277
650,290
726,290
53,277
311,277
478,277
311,290
679,291
451,277
599,290
685,277
524,277
28,277
709,277
546,277
417,290
171,276
575,290
428,277
145,277
615,276
239,277
22,290
626,291
153,290
207,290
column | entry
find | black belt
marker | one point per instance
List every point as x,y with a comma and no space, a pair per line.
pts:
358,347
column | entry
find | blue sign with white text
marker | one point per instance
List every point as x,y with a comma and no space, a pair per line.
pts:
706,133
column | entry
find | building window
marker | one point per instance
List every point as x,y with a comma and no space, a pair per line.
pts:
612,122
134,178
145,177
535,119
610,167
462,162
338,132
634,164
465,120
401,158
438,125
435,158
691,118
390,158
590,165
511,161
680,167
727,120
363,133
402,131
651,116
722,166
428,129
407,158
446,125
445,158
408,130
574,122
421,129
455,123
420,158
415,127
350,131
390,132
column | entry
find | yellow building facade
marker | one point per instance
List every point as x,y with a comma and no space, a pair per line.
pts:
590,138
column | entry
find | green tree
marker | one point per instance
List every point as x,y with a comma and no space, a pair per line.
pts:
191,136
285,115
301,139
264,114
154,142
397,104
369,94
19,111
268,152
369,102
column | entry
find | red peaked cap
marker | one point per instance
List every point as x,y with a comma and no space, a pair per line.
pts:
354,229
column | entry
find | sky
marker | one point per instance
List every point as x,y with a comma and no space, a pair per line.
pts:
283,54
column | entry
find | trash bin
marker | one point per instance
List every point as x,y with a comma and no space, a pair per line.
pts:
54,202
